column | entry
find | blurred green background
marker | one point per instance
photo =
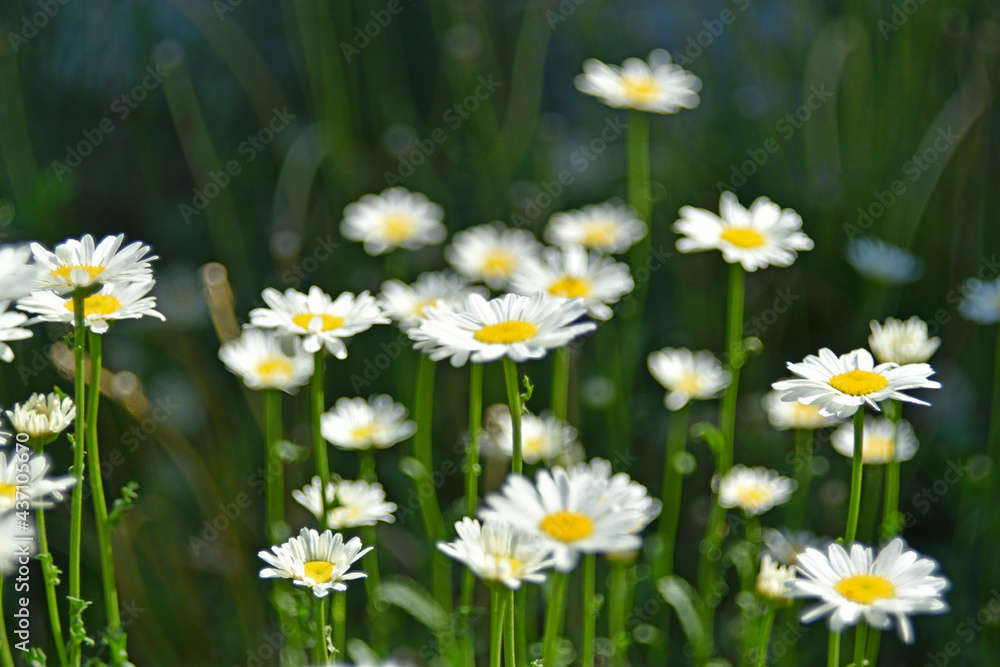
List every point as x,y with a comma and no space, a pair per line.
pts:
119,116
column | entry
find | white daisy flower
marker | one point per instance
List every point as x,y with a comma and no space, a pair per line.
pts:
405,303
894,585
772,578
495,551
17,276
902,342
841,385
657,86
115,301
359,504
378,423
42,417
13,537
753,490
882,262
786,415
620,490
257,357
310,496
10,329
687,375
758,237
396,218
981,301
372,662
79,263
878,444
39,489
318,319
786,545
543,437
568,513
514,326
321,562
491,253
572,272
611,228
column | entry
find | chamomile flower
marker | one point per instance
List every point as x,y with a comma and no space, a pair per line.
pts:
317,319
115,301
882,262
885,589
624,493
42,417
841,385
786,545
543,437
656,85
359,504
258,357
405,303
17,276
15,535
758,237
772,578
687,375
611,228
882,441
902,342
396,218
320,562
786,415
572,272
495,551
311,495
40,489
378,423
513,326
491,253
981,301
753,490
569,513
79,263
11,329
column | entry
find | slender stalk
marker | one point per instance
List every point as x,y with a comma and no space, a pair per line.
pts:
554,616
803,478
833,650
373,583
514,397
871,651
321,460
76,512
510,634
472,473
638,163
275,481
994,432
560,383
366,465
860,643
340,622
617,592
871,491
5,655
765,635
48,572
320,654
850,533
589,609
497,604
890,507
672,481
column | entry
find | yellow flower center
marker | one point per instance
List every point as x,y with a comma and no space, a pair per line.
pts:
515,565
639,88
569,287
878,449
865,588
505,333
753,497
744,237
330,322
397,227
806,415
319,571
93,270
690,384
274,366
8,491
363,432
533,446
498,263
858,383
97,305
567,526
599,234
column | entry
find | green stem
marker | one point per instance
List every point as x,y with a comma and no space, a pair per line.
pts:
320,655
373,583
497,604
554,616
734,354
48,572
472,473
76,512
860,643
890,507
765,635
319,444
560,383
871,491
994,432
5,654
366,466
672,481
275,492
510,634
852,513
116,637
514,397
871,651
340,623
617,592
803,478
833,650
589,609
